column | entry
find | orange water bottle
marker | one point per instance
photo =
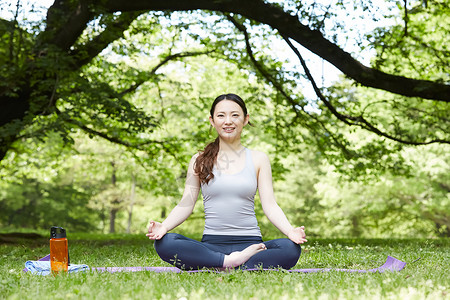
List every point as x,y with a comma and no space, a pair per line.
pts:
59,250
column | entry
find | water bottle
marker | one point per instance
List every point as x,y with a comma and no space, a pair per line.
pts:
59,250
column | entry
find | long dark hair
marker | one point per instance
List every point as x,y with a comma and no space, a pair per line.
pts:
204,163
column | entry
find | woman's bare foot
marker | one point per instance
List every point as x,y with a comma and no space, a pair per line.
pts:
237,258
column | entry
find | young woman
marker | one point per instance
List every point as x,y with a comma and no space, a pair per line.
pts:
228,174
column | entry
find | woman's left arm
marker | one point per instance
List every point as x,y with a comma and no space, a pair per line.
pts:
270,207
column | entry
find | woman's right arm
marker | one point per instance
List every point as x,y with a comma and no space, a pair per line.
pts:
184,208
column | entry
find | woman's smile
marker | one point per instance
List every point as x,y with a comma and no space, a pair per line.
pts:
228,119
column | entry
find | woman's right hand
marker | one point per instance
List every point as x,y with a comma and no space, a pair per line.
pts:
297,235
156,230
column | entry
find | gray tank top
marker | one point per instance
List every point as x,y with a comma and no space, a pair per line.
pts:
229,202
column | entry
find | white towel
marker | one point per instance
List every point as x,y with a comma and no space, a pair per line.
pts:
43,267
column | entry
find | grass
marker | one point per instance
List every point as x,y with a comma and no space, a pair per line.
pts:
426,278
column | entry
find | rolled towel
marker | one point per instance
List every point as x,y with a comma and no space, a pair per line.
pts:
38,267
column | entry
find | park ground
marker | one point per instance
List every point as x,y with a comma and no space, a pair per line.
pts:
424,277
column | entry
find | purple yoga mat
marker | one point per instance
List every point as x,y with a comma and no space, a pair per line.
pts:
392,264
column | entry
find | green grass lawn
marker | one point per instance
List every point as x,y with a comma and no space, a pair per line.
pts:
427,278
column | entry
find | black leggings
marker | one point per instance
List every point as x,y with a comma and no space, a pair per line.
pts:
186,253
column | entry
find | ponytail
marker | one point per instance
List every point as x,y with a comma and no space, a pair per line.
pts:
204,164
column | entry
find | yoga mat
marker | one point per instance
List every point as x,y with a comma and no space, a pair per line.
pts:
392,264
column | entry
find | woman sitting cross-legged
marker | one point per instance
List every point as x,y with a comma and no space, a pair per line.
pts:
228,174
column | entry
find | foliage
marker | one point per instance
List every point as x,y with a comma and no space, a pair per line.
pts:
37,193
148,93
393,205
46,69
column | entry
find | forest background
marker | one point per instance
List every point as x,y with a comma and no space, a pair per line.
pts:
99,121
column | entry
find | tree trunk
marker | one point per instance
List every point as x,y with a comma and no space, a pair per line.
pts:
103,218
13,116
356,231
112,220
132,196
114,209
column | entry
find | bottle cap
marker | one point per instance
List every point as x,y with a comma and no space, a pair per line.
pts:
57,232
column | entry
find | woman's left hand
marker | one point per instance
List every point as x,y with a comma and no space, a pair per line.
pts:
297,235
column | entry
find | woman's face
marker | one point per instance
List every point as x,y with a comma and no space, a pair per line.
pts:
228,120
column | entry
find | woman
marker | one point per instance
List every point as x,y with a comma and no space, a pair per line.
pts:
228,175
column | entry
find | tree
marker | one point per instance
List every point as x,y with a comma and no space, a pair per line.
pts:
309,189
42,73
38,190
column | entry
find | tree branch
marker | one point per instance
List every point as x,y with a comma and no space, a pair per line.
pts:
112,32
349,120
139,146
279,87
352,120
159,65
105,136
260,69
406,17
66,20
290,26
11,37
